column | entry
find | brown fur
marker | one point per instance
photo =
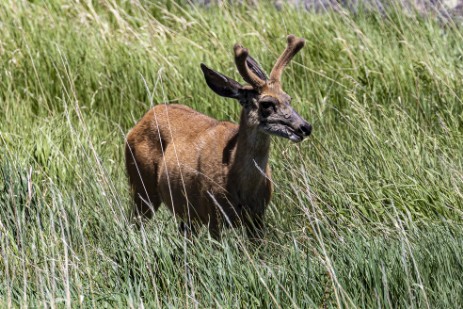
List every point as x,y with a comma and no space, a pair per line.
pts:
207,171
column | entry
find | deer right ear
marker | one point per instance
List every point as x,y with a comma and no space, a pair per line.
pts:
221,84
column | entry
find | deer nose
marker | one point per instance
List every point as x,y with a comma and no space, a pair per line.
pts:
306,128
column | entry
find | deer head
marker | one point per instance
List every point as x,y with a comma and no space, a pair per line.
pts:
266,105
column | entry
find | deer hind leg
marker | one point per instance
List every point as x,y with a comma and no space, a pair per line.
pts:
255,227
145,202
188,229
143,183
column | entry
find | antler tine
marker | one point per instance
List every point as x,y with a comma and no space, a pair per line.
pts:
294,46
241,54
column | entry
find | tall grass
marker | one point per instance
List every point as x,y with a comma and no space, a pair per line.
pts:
367,213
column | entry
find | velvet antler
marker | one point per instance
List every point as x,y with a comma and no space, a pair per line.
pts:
294,46
241,54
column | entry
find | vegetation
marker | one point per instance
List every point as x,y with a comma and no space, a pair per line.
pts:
367,213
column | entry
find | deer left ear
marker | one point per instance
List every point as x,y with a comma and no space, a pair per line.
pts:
221,84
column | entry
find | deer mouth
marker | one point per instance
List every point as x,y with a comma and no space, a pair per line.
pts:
283,131
294,137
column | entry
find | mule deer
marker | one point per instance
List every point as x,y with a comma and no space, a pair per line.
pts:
208,171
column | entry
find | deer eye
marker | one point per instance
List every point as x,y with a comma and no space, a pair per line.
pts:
267,105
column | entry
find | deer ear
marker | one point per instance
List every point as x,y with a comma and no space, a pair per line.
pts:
255,67
221,84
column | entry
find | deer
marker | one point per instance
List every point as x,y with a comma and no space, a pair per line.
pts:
211,172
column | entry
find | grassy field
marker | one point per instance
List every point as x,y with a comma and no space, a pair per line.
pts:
367,213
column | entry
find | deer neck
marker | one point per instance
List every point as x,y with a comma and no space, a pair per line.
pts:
251,152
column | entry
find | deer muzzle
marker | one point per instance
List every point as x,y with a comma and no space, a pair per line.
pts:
298,128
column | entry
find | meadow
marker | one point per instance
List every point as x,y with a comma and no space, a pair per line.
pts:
368,212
